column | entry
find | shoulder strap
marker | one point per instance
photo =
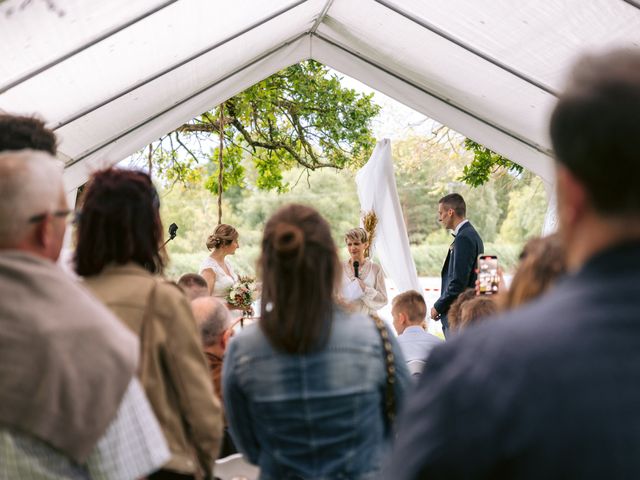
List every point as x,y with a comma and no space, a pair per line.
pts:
146,332
389,361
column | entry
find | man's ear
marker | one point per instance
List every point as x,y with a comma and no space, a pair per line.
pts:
225,337
572,197
43,232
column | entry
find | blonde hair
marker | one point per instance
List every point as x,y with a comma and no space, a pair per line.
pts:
356,235
542,262
222,235
412,304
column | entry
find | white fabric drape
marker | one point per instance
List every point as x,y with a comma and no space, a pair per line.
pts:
377,191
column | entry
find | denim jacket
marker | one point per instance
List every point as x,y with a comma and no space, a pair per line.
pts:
315,416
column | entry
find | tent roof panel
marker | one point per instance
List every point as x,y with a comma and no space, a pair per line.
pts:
116,75
443,68
48,33
411,94
142,50
539,39
137,136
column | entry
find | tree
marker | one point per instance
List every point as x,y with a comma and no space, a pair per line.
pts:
298,117
485,162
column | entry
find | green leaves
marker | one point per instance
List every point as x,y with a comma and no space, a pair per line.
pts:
298,117
485,162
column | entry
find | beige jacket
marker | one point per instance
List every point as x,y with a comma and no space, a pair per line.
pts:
176,377
65,359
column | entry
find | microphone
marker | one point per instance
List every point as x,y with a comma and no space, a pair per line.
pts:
173,231
356,264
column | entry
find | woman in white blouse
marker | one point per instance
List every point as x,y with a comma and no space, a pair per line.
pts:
363,289
215,269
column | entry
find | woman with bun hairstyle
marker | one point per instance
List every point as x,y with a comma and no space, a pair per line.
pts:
215,269
305,387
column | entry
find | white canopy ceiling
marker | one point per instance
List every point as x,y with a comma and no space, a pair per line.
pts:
112,76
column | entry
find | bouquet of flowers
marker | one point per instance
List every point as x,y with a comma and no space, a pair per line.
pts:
241,295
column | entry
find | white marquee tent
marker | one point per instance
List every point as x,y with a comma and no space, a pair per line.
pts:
112,76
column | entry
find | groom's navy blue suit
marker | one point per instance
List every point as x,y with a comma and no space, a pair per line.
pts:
459,269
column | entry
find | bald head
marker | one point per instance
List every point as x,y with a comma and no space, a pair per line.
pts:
30,185
212,318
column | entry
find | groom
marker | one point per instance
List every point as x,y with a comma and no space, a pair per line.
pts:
459,269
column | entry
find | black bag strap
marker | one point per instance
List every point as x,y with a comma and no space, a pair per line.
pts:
389,362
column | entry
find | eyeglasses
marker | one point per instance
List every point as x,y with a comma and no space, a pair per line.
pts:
56,213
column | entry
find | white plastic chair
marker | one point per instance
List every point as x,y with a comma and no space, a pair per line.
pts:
416,367
235,467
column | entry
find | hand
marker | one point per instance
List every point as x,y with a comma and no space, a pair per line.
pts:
434,314
363,285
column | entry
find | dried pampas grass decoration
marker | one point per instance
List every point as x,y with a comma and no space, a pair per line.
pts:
369,223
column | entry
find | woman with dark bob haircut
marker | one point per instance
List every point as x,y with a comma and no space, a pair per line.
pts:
305,387
119,235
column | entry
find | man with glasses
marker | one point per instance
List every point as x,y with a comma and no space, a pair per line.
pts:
71,407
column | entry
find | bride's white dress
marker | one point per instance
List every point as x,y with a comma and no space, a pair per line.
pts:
223,281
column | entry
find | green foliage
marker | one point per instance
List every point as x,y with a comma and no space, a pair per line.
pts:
506,210
484,164
298,117
426,170
429,257
526,211
332,193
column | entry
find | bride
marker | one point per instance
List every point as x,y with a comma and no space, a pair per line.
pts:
215,269
364,290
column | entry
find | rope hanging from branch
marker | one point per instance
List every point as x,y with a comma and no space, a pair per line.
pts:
220,164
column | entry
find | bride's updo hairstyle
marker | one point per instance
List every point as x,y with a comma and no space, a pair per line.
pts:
299,268
222,235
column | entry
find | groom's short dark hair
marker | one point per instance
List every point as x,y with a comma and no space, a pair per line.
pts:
455,201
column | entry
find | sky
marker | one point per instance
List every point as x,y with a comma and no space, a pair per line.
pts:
395,120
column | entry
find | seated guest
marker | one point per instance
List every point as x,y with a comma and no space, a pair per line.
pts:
542,263
119,237
453,315
310,389
363,281
193,285
70,405
477,309
214,322
409,311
